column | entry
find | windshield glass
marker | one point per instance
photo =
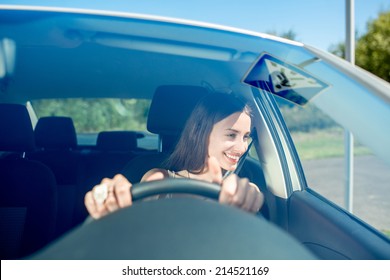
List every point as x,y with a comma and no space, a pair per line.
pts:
337,116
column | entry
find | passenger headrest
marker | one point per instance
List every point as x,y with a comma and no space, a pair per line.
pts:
55,133
171,106
15,129
117,141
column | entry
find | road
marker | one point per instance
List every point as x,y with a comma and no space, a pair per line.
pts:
371,192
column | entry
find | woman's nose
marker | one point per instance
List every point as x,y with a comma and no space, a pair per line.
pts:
241,146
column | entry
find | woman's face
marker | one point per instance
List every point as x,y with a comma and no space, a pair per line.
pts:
229,139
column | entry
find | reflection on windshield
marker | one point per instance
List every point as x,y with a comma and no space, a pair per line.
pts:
7,61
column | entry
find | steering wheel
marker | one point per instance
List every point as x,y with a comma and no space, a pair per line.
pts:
181,228
182,185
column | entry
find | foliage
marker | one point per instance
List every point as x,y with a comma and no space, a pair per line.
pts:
93,115
305,119
338,49
373,48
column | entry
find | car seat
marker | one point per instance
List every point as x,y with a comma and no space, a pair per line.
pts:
170,108
114,149
28,199
56,143
120,141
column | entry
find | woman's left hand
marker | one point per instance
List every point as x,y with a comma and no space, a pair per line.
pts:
235,190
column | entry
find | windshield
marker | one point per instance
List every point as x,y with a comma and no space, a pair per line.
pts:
337,115
350,96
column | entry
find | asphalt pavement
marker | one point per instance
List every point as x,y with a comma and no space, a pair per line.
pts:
371,187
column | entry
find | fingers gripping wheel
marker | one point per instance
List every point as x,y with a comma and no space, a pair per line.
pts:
184,186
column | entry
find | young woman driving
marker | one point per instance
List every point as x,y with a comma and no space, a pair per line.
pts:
214,138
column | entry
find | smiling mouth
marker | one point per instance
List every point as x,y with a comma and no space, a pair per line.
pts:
232,158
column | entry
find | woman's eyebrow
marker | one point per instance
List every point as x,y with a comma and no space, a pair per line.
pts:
236,131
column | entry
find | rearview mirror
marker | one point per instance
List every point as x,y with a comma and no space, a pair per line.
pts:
284,79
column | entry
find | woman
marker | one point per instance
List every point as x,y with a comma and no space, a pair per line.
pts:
213,140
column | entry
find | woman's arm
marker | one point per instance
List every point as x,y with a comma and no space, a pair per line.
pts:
155,174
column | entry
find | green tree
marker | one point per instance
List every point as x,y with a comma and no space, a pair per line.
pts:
373,48
338,49
93,115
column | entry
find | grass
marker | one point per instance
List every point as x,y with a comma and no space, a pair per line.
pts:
323,144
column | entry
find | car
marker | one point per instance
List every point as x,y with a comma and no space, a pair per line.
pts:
86,94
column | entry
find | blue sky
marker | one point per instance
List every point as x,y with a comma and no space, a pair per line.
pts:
320,23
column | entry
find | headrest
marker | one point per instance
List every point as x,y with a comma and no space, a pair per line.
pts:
171,106
117,141
55,133
15,128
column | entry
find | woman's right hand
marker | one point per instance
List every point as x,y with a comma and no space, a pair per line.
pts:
235,190
118,193
118,196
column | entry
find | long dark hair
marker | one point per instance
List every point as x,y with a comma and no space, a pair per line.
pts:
191,150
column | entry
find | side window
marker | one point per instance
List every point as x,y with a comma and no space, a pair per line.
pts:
320,143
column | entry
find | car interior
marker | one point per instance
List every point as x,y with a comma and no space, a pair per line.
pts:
53,143
68,172
46,172
28,191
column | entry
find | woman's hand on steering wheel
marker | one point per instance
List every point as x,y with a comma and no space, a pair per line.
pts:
235,190
113,194
109,196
